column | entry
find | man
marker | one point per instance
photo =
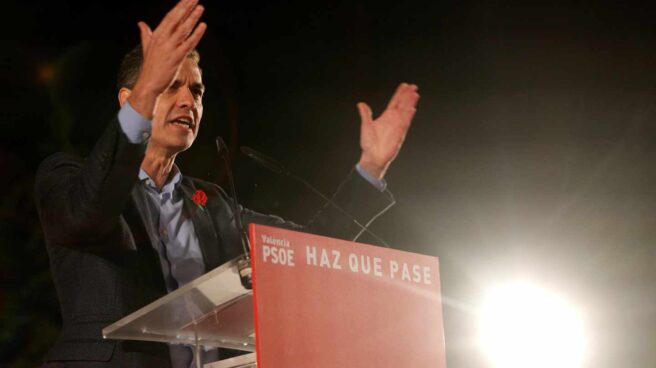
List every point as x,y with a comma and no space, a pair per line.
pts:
121,226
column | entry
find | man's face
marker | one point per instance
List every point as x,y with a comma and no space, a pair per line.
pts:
179,109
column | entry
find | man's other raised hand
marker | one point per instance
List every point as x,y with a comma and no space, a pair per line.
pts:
381,139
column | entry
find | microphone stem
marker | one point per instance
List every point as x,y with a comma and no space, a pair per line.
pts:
237,211
244,262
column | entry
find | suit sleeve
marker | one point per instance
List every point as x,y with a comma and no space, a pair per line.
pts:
80,201
355,195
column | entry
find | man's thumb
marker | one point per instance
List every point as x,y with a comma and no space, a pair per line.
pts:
145,34
365,112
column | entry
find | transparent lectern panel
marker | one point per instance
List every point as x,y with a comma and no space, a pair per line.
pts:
215,309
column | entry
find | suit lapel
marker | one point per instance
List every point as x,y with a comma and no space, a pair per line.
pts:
203,225
144,263
137,214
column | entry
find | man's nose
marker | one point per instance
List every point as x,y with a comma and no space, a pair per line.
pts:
185,98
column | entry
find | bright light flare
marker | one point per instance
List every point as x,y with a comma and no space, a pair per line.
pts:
522,326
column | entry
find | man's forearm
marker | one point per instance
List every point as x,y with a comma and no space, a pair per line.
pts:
81,200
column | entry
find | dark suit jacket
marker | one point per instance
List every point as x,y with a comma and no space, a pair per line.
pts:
102,260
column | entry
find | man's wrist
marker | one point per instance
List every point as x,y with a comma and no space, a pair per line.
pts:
369,166
379,183
143,101
134,125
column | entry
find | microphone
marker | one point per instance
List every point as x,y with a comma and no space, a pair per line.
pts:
244,262
279,168
265,160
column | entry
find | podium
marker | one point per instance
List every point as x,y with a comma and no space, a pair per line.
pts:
316,302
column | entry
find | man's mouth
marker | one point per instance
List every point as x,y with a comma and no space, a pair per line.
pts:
184,121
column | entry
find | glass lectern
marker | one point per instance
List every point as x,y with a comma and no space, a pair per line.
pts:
214,310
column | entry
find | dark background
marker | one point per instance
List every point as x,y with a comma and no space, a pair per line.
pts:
530,156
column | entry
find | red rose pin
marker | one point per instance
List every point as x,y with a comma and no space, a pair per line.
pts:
200,198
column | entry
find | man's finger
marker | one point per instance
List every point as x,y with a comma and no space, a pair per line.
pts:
408,99
407,112
407,115
188,25
176,15
397,95
194,38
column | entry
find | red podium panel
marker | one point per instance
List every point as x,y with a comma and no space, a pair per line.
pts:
325,303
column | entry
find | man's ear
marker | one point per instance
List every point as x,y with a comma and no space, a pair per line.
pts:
123,95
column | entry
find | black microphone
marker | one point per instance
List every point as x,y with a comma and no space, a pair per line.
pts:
244,263
279,168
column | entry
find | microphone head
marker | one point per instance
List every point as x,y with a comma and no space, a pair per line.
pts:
221,146
264,160
251,153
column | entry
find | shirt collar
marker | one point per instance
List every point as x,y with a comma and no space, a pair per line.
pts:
175,177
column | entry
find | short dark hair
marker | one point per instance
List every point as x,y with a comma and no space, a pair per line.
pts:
131,65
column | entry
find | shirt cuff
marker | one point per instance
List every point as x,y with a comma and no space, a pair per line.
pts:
380,184
133,125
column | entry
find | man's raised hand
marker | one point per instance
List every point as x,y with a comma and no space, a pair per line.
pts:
164,50
382,138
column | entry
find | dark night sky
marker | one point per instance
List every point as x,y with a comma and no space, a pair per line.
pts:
530,155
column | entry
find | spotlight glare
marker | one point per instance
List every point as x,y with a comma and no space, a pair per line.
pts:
524,326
